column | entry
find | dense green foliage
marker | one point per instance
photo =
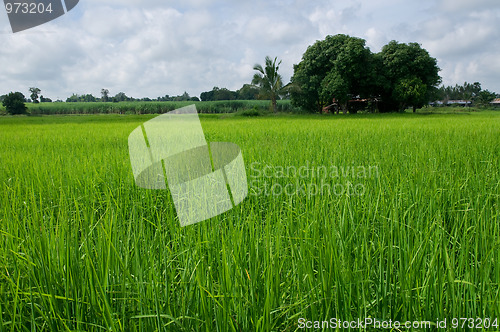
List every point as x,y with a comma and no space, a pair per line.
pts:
342,68
247,92
83,249
411,91
87,98
484,98
468,92
219,94
408,67
14,103
337,67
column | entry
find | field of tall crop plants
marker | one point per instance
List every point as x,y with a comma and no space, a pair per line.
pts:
381,217
153,107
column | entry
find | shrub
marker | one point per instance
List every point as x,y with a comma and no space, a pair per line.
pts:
251,112
14,103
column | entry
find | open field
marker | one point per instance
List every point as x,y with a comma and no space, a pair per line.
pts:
404,225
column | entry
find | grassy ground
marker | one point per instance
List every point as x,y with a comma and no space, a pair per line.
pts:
417,237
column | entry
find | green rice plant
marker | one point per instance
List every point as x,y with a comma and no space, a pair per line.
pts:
387,216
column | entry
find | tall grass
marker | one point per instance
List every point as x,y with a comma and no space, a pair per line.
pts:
153,107
83,249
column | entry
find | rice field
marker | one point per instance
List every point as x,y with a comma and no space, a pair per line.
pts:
383,216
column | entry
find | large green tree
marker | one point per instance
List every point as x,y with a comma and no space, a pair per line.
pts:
411,66
410,92
339,67
334,85
342,67
269,81
14,103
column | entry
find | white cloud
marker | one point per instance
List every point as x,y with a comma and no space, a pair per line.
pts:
460,38
159,47
464,40
466,5
375,39
331,21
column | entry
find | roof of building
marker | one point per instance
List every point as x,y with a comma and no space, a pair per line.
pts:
459,101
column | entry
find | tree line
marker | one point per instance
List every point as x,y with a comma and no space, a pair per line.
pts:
470,93
337,73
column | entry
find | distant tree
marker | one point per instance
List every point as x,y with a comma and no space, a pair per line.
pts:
45,100
469,92
225,94
269,81
88,98
73,99
218,94
195,99
14,103
105,95
184,97
164,98
120,96
207,95
485,97
247,92
34,94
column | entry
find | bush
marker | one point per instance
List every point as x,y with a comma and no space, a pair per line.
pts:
251,112
14,103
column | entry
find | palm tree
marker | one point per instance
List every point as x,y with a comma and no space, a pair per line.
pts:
269,81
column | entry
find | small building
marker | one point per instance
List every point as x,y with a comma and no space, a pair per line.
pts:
495,102
353,106
459,102
464,103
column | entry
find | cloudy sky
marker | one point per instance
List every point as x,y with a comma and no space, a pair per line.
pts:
152,48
